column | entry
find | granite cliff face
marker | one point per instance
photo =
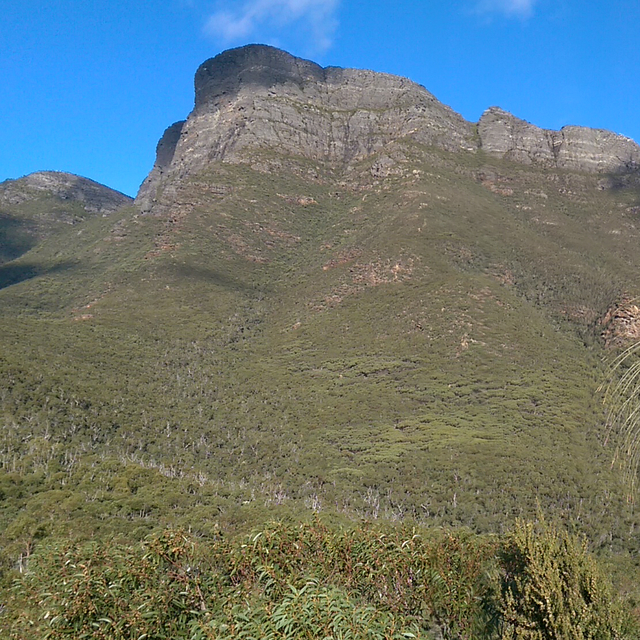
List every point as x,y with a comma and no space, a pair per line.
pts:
257,99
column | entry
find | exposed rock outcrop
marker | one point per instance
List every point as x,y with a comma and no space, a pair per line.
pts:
621,323
574,148
259,98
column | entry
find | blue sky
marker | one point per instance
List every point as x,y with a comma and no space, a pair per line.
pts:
89,86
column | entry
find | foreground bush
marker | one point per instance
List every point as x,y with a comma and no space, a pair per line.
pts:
553,588
309,581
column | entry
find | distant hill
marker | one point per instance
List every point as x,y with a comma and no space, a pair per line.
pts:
333,294
38,205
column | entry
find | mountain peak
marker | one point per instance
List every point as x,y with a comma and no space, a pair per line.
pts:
256,65
575,148
258,99
256,102
92,196
41,204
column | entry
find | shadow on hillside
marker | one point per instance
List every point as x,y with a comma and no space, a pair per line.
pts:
628,180
11,274
15,238
213,277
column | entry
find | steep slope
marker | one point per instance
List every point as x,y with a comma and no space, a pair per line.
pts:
41,204
332,294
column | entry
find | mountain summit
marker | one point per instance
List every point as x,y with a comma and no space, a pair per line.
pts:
256,99
41,204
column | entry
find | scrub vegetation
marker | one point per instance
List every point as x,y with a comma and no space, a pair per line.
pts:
425,350
313,581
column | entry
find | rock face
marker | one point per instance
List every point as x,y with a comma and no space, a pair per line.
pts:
259,98
574,148
92,196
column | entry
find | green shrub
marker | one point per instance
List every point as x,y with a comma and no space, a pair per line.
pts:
308,581
552,588
313,611
110,592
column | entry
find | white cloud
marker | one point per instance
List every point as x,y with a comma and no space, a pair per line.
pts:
314,21
511,8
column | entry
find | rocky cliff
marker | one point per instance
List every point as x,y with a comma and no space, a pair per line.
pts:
574,148
258,99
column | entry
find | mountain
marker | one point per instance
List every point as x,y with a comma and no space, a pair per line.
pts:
332,293
45,204
257,99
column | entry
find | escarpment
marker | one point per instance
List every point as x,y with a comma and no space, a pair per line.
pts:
258,100
573,148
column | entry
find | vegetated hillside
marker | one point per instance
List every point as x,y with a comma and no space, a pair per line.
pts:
38,205
410,331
